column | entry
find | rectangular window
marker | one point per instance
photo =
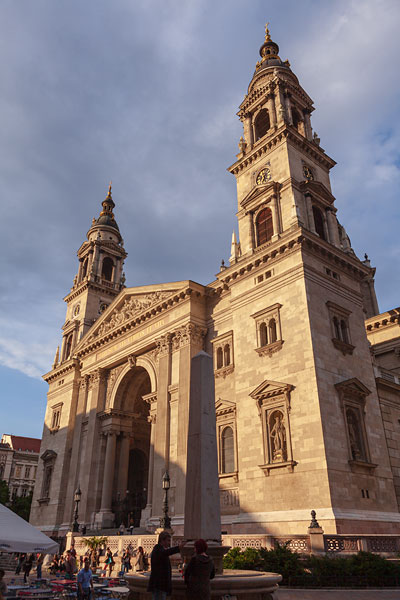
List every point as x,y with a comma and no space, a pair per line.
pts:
27,472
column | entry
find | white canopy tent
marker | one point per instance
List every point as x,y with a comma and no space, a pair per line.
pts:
17,535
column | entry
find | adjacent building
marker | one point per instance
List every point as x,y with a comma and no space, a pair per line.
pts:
307,416
18,463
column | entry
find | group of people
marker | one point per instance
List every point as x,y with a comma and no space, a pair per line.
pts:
25,563
197,573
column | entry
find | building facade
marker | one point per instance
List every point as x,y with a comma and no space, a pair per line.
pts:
18,463
299,419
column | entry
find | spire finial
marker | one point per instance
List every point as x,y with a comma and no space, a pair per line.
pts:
109,190
267,34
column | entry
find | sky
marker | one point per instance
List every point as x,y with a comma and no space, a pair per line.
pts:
145,94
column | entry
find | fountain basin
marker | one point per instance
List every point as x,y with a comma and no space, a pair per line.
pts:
244,585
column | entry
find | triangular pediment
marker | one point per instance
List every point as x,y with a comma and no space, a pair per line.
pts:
318,189
353,387
224,406
266,189
268,389
48,455
128,305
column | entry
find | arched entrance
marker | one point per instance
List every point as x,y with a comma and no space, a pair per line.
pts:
133,449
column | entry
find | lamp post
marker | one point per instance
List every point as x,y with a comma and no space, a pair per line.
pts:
77,499
165,522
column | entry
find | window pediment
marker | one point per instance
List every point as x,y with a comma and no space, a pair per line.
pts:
268,189
270,390
48,455
224,407
318,190
353,388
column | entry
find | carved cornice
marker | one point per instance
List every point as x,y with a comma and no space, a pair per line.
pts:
115,412
66,367
284,133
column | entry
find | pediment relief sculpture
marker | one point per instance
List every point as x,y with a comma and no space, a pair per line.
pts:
131,307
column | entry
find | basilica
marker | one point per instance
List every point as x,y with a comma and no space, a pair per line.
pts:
307,372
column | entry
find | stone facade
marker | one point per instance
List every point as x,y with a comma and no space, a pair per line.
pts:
300,417
18,463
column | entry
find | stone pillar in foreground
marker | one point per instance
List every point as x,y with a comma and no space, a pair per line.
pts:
202,504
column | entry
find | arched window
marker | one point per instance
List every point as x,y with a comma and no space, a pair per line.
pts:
298,122
272,331
227,451
107,268
227,355
68,347
84,268
261,124
264,226
319,222
263,335
220,358
336,328
355,436
343,328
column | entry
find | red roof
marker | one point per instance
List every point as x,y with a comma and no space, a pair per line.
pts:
25,444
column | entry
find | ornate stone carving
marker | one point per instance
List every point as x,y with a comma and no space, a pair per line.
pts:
164,344
131,308
132,361
96,377
112,377
189,334
278,437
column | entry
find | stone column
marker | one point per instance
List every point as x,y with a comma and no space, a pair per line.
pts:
275,218
252,242
288,107
248,131
332,227
147,511
123,463
90,460
271,109
189,340
280,106
310,216
161,440
106,516
202,498
76,450
307,125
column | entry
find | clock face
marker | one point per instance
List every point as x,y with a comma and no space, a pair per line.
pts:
103,307
76,310
308,174
264,176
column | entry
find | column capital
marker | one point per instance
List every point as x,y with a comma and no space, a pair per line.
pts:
164,344
189,334
96,377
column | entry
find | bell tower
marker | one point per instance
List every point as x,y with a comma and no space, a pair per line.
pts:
281,170
99,280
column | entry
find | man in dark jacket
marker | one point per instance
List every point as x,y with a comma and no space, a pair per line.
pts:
160,583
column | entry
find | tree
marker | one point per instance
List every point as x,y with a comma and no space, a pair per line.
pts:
95,542
4,492
22,506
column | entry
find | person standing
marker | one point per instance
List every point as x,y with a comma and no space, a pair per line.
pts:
28,564
85,582
69,566
198,573
160,582
21,558
39,564
109,561
139,561
3,585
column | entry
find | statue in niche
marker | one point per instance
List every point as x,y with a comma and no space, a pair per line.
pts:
354,435
278,437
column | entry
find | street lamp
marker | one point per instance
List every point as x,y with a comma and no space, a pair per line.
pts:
165,522
77,499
